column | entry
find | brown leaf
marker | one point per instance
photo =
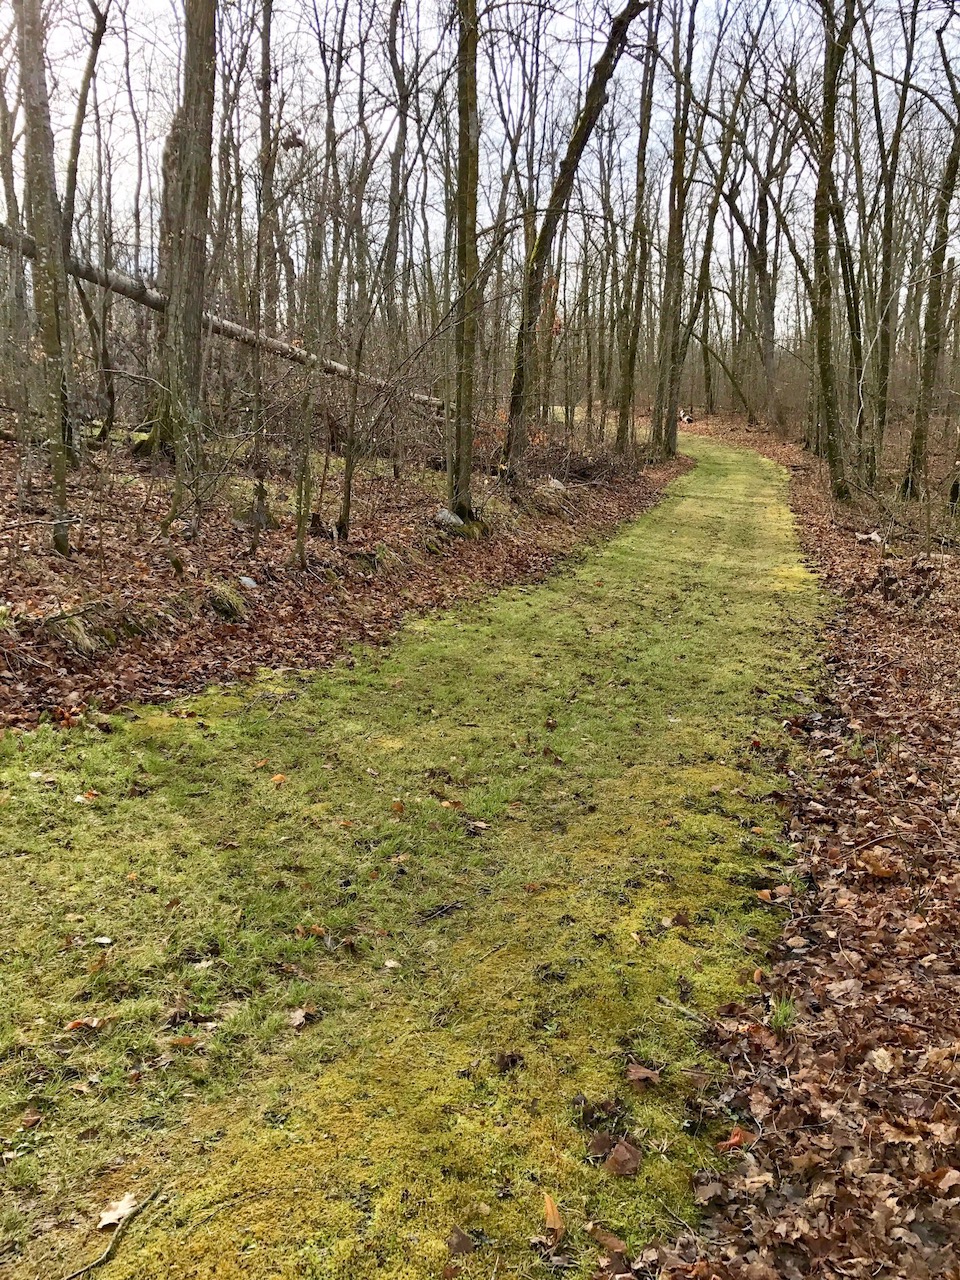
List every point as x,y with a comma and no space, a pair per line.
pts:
709,1191
601,1144
760,1104
555,1227
509,1061
876,865
605,1239
738,1137
115,1212
90,1024
624,1160
459,1242
641,1076
300,1017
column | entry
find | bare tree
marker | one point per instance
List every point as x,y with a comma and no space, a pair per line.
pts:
593,104
51,296
468,267
183,238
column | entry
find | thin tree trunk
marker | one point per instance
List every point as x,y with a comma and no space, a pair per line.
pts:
663,426
70,186
837,43
51,296
468,300
932,328
184,227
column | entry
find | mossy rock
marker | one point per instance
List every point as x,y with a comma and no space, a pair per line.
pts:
226,601
471,530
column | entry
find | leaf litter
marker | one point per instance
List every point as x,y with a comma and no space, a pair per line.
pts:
854,1166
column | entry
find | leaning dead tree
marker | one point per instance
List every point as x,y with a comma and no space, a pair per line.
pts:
593,104
550,266
140,292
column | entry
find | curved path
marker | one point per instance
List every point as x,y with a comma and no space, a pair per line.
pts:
485,871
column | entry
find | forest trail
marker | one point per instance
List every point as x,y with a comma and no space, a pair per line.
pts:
485,870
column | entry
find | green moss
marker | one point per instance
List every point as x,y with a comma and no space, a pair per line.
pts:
72,630
226,600
533,827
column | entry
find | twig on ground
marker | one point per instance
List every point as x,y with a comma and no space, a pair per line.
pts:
114,1239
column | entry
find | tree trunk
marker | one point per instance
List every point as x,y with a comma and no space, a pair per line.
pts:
51,296
837,43
932,330
663,426
184,226
468,301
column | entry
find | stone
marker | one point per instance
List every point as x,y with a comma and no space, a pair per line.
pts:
445,519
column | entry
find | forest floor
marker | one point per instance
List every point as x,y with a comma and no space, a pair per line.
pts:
145,608
850,1118
384,971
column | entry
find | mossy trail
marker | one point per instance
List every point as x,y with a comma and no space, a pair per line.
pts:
534,828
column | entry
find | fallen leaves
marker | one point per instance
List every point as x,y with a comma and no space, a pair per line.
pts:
738,1137
90,1024
508,1061
642,1077
458,1242
856,1169
553,1220
881,1060
547,1245
605,1239
298,1018
288,623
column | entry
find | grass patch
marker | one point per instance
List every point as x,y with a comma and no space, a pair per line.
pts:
530,832
783,1016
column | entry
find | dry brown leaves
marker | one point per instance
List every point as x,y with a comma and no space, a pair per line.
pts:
855,1167
128,616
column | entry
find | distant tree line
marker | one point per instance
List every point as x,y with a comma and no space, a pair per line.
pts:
418,232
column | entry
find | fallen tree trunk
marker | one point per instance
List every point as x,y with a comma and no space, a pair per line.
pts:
137,291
